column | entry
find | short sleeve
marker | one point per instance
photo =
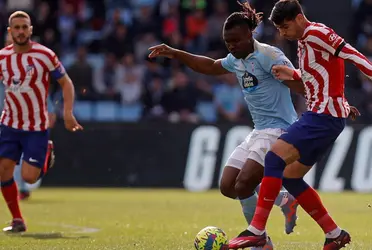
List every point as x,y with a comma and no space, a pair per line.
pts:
274,56
228,63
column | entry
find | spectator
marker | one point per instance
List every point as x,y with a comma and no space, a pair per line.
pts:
106,79
180,100
129,80
82,73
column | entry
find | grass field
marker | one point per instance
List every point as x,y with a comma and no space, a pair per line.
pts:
164,219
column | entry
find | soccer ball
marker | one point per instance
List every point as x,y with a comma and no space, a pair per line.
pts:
211,238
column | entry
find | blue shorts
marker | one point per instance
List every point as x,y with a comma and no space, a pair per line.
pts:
313,134
33,145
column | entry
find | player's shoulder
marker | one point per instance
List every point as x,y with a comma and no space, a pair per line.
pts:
267,52
8,50
42,49
318,29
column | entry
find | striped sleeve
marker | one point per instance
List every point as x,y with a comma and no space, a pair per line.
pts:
352,55
324,38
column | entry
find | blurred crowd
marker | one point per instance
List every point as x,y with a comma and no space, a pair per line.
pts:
104,47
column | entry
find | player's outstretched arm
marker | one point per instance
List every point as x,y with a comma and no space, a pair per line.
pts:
352,55
324,38
200,64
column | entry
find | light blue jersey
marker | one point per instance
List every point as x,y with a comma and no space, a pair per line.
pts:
269,100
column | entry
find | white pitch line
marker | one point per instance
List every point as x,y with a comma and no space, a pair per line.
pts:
79,229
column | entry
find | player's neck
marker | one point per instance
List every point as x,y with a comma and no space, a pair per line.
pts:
22,48
306,23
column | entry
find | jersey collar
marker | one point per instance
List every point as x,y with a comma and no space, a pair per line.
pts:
255,47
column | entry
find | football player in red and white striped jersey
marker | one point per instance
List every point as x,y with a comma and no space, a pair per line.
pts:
25,69
321,55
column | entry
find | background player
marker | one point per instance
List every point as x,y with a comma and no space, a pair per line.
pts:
321,56
25,70
251,62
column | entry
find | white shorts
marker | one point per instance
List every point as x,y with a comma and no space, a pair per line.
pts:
255,146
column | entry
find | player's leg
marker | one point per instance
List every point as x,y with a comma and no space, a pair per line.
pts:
10,153
24,192
252,173
310,201
270,188
35,149
307,138
237,162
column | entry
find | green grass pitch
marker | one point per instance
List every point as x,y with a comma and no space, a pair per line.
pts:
165,219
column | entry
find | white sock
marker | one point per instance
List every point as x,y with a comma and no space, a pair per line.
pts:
334,233
255,230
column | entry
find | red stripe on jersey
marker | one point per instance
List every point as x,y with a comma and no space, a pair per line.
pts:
22,75
39,97
314,104
18,107
8,67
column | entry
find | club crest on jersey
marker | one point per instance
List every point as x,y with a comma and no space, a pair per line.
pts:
30,69
249,82
15,81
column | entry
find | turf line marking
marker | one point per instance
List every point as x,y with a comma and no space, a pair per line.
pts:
79,229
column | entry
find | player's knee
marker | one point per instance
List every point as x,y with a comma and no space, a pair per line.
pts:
246,186
227,189
30,177
285,151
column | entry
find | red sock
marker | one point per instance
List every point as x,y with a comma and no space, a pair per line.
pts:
312,204
10,193
269,190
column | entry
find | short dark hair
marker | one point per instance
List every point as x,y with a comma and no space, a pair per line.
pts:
248,17
285,10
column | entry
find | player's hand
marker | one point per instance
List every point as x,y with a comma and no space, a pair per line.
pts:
162,50
70,122
282,72
354,113
245,4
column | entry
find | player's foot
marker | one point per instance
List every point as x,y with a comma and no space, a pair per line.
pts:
248,239
17,226
340,242
23,195
290,212
268,246
50,157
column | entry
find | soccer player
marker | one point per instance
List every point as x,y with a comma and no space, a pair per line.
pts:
23,187
268,100
321,55
25,68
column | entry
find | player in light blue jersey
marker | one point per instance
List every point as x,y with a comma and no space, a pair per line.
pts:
24,187
269,103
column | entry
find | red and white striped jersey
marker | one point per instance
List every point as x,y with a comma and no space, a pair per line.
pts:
26,77
321,54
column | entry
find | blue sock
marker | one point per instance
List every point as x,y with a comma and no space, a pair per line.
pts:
274,165
295,186
249,206
19,180
281,199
